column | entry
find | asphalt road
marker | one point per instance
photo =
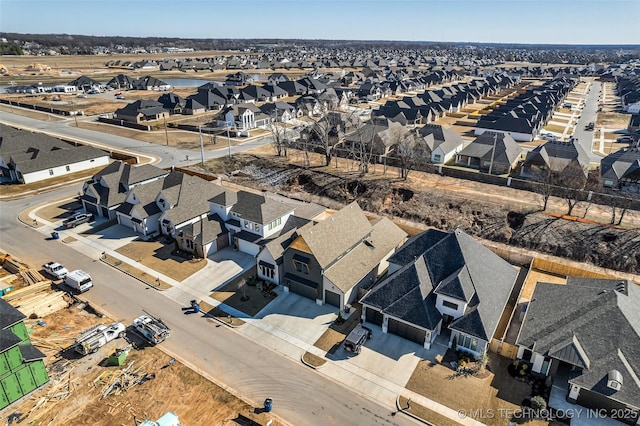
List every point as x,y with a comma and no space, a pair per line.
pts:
589,114
169,156
301,396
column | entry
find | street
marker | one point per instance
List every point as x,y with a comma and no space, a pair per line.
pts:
589,114
301,395
170,156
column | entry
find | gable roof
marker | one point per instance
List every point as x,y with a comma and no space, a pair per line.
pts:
592,323
624,163
507,150
335,235
558,155
259,208
357,263
457,266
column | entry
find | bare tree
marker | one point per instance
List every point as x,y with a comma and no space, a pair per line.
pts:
545,183
573,183
408,150
620,203
327,132
280,135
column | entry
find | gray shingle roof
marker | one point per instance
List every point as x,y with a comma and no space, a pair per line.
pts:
484,278
9,315
558,155
335,235
622,163
416,245
8,340
30,353
591,322
353,266
205,230
259,208
507,150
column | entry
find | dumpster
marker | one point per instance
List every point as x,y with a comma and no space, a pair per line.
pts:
55,235
118,357
268,404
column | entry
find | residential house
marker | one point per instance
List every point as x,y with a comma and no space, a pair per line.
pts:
330,261
557,157
203,237
441,282
277,78
193,107
141,111
244,117
442,143
108,188
150,83
280,111
210,100
121,81
173,103
86,84
238,79
491,152
32,157
22,368
589,331
621,169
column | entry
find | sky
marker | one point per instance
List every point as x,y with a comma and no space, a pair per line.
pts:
489,21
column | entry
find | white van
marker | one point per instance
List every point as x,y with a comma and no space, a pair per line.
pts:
78,280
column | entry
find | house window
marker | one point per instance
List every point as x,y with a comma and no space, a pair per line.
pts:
436,157
257,227
301,267
450,305
468,342
68,168
50,172
267,272
274,224
247,224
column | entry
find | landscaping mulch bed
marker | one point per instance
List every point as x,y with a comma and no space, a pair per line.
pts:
241,295
313,360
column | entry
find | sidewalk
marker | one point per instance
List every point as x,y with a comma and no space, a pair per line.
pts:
364,382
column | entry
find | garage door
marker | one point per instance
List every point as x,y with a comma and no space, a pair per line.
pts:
596,400
222,241
125,221
374,317
332,298
303,290
407,331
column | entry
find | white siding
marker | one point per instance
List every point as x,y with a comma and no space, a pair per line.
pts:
247,247
265,256
62,170
267,232
448,311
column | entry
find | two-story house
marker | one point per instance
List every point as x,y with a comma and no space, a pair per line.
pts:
328,262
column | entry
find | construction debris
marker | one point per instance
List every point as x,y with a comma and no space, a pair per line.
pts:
61,387
12,265
31,276
118,381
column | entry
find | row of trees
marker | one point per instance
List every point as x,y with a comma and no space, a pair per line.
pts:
327,132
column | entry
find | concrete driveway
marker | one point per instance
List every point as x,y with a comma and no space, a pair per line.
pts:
112,238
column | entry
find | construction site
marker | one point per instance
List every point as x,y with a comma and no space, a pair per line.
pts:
91,378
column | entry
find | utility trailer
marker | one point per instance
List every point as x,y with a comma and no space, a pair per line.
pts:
97,336
151,328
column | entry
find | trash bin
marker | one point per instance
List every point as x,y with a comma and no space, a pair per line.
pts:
195,306
55,235
268,404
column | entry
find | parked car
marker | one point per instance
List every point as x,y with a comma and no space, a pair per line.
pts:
77,219
548,136
625,139
120,97
590,126
81,95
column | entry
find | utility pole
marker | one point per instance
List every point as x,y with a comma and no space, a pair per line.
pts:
228,140
166,133
493,152
201,147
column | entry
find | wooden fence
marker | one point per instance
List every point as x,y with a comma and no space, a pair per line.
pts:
507,350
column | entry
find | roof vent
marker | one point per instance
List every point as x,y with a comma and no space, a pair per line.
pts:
621,287
614,380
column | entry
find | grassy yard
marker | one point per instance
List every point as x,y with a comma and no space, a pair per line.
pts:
554,128
136,273
220,315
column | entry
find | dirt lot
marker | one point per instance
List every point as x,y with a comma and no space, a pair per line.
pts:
613,120
246,298
158,257
175,388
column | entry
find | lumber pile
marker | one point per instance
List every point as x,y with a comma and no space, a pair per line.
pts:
115,382
12,265
31,276
61,387
37,300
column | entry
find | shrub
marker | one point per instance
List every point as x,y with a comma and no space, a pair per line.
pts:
538,403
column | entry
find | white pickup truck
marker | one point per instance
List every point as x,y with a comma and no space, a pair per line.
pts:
55,270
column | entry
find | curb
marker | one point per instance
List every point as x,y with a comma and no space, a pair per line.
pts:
403,411
131,275
221,322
